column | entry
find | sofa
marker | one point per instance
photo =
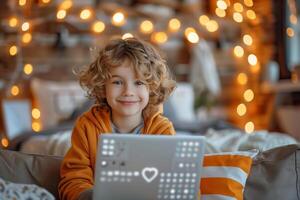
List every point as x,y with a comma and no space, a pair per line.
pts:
275,174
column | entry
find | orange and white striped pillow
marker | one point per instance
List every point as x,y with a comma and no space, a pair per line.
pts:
224,175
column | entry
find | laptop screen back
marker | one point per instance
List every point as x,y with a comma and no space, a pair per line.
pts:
147,167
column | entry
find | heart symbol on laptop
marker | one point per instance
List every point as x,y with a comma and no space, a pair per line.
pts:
149,173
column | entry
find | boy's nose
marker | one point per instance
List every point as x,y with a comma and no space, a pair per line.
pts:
128,90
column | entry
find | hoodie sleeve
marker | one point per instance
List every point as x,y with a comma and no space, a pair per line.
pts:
76,171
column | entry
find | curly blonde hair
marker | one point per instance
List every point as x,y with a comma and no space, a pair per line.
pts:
146,62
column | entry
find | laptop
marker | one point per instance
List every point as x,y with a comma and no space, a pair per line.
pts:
148,167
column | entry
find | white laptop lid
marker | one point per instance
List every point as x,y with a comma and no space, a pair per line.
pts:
148,167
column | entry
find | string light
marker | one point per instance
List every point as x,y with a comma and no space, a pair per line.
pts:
290,32
249,127
13,50
22,2
251,14
13,22
248,3
238,7
247,39
203,20
193,37
61,14
26,38
25,26
221,5
293,19
237,17
174,25
27,69
14,90
212,26
46,1
159,37
220,12
146,26
36,126
85,14
242,78
118,19
241,109
127,35
238,51
36,114
98,27
252,59
248,95
4,142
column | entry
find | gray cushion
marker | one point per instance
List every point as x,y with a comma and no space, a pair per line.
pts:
30,169
275,175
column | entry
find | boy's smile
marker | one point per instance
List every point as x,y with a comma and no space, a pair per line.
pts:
126,94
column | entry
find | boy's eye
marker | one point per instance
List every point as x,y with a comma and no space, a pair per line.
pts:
139,83
117,82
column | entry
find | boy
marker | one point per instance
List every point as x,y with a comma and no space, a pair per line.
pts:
129,81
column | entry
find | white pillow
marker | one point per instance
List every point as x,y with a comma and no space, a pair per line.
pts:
56,100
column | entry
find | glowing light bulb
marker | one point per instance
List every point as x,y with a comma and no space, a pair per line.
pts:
98,27
293,19
4,142
65,5
46,1
248,3
14,90
174,25
238,51
251,14
25,26
290,32
203,20
248,95
193,37
220,13
247,39
28,69
212,26
61,14
146,26
127,35
159,37
13,22
238,7
13,50
36,126
22,2
241,109
36,114
118,19
26,38
221,5
252,59
85,14
242,78
249,127
238,17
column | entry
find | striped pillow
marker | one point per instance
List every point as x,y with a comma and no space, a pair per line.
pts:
224,175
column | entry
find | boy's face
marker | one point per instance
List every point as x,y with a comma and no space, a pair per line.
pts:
126,94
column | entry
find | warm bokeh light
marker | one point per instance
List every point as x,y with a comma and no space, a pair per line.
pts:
146,26
174,25
26,38
255,68
25,26
159,37
13,50
127,35
13,22
46,1
248,3
14,90
4,142
290,32
251,14
248,95
241,109
193,37
65,5
247,39
221,4
98,27
252,59
220,12
238,51
203,20
242,78
27,69
293,19
35,113
36,126
189,30
238,7
85,14
249,127
238,17
22,2
61,14
118,19
212,26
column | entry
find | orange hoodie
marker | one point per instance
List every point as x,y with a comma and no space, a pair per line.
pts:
77,170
